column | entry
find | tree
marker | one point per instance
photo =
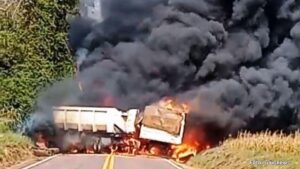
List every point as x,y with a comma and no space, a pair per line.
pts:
33,51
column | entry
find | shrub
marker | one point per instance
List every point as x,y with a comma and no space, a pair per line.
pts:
33,51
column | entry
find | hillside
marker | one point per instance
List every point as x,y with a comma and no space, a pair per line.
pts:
246,148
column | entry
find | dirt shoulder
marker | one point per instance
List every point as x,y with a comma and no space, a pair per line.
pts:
14,149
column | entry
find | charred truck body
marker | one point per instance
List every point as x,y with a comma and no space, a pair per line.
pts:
111,130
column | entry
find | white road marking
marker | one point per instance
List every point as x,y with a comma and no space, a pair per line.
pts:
174,165
40,162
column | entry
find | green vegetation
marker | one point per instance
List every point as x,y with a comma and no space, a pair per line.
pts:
33,52
239,152
5,125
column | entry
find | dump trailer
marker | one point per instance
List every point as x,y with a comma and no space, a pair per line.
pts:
95,119
154,123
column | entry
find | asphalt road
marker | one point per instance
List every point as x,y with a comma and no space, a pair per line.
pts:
96,161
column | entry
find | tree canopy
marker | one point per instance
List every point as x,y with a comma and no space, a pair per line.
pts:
33,51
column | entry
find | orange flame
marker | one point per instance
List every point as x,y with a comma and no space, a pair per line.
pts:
155,151
108,101
90,150
194,141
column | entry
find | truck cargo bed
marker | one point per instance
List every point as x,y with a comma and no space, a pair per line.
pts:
110,120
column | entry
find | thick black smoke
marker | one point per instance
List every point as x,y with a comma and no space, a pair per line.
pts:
237,62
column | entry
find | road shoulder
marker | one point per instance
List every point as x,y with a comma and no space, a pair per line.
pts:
32,162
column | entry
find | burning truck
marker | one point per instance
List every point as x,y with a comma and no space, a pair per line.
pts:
158,129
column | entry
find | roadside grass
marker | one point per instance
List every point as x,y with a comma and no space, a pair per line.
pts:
4,125
239,152
14,148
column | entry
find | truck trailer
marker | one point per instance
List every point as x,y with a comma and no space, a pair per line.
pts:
156,123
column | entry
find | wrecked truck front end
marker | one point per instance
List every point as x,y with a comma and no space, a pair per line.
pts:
162,125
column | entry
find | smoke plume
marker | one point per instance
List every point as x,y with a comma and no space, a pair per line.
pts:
236,62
